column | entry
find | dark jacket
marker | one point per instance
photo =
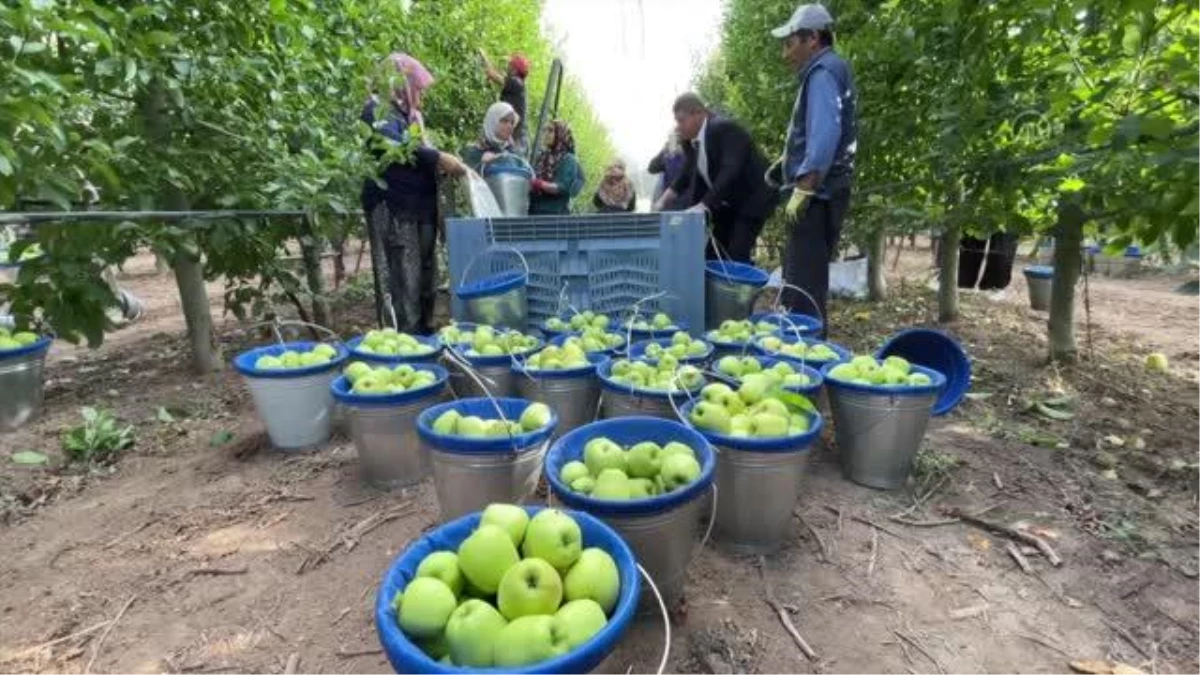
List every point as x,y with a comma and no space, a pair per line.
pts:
411,186
671,166
735,166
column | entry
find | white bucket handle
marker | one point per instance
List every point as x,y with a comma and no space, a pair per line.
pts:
487,251
778,308
465,364
636,309
276,324
662,606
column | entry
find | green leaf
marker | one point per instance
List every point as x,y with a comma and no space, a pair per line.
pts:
794,401
1072,184
163,415
29,457
220,438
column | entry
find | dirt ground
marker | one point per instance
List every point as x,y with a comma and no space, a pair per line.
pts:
201,550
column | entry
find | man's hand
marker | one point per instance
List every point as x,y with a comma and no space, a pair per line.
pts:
697,208
451,165
539,185
798,203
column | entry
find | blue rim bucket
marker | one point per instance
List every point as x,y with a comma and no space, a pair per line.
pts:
795,443
244,362
623,400
395,359
295,404
731,272
811,390
406,657
1038,272
640,334
560,340
938,352
23,383
550,333
843,354
638,351
495,284
790,322
342,390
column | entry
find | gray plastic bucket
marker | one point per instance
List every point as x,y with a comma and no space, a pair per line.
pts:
297,411
574,397
1040,281
503,310
878,434
22,385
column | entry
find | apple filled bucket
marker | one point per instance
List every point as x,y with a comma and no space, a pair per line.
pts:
787,323
593,341
729,290
679,348
564,379
485,450
489,356
382,404
290,386
762,435
498,299
733,337
575,323
511,589
392,347
659,326
22,381
639,388
766,372
647,478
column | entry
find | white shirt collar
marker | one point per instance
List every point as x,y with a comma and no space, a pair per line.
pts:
701,152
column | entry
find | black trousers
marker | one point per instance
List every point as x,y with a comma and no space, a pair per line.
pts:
403,253
735,234
997,268
812,243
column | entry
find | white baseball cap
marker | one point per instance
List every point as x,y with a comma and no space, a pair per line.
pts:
806,17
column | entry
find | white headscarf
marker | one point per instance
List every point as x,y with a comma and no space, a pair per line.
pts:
496,112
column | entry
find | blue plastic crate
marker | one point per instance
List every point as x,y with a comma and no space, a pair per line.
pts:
605,262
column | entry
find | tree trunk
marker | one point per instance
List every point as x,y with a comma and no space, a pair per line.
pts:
948,274
1068,241
876,256
311,245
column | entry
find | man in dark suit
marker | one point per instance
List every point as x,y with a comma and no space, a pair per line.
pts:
725,171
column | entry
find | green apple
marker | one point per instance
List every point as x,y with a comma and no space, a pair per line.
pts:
486,556
261,363
446,423
643,460
435,647
356,370
697,348
443,565
754,387
844,371
919,380
739,426
579,620
677,448
642,488
766,425
710,417
321,349
601,453
471,633
554,537
661,321
715,392
530,587
535,416
899,363
370,384
611,484
1156,362
501,428
584,485
471,427
573,470
25,338
509,517
732,403
528,640
679,470
594,577
798,424
773,406
730,365
425,607
771,343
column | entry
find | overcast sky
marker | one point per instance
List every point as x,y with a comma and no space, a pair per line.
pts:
633,58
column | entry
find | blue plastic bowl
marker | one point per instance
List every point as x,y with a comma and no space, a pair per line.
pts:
735,273
843,354
486,409
936,351
560,340
494,284
796,443
816,379
627,431
406,657
341,389
790,322
428,357
40,345
244,362
638,351
1039,272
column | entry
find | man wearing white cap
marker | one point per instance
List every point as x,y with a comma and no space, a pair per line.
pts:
817,165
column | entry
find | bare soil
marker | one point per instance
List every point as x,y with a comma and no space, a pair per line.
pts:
219,554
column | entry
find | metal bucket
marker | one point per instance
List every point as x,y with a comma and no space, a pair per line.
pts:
631,404
573,394
1040,280
296,405
498,299
22,384
758,492
470,473
511,191
500,380
878,433
661,530
729,290
384,429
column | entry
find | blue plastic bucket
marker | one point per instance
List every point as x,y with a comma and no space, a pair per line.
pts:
23,382
497,299
295,404
662,529
638,351
936,351
729,290
407,657
470,473
843,354
811,390
790,323
758,484
623,400
384,429
395,359
573,393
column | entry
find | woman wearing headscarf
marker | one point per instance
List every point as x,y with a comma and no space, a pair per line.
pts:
400,202
499,123
558,174
615,193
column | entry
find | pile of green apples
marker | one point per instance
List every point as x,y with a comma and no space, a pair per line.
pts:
748,369
749,412
289,359
578,322
682,346
518,591
666,375
490,342
818,351
566,357
452,423
732,331
389,342
454,334
659,322
378,380
17,340
596,340
894,371
609,471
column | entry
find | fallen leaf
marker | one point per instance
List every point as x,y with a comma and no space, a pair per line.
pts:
29,457
979,543
1114,440
220,438
164,415
1104,668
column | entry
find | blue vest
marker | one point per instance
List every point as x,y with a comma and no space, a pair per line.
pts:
842,171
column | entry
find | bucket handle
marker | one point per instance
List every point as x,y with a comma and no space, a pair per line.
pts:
662,606
491,249
778,308
462,362
636,311
276,324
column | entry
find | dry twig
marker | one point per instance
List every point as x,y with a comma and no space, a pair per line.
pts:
1016,555
921,648
1011,533
781,611
57,641
216,571
355,653
293,664
104,636
816,535
874,552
